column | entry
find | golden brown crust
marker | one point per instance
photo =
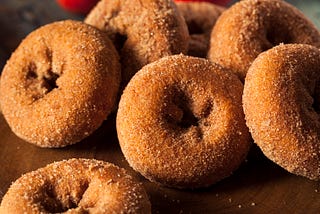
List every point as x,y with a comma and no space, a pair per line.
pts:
281,103
200,18
180,122
151,28
60,84
76,186
253,26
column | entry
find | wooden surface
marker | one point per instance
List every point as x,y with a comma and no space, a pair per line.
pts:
258,186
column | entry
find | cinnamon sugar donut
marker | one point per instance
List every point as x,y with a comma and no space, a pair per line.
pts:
253,26
200,18
142,31
60,84
282,107
76,186
187,130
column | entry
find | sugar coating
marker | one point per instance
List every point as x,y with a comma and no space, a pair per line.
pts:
180,122
76,186
60,84
200,18
151,28
281,104
253,26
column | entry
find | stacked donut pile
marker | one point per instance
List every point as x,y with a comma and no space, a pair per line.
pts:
182,121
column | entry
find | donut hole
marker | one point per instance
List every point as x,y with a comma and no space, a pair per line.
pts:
316,99
32,71
40,83
188,119
119,40
50,80
316,106
52,204
194,28
56,201
180,113
275,38
184,112
277,34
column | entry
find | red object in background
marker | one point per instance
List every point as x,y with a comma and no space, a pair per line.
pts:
219,2
84,6
77,6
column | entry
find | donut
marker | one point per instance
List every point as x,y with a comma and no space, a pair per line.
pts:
200,18
142,31
60,84
188,129
281,102
250,27
76,186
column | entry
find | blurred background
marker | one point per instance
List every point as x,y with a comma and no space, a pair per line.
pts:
19,17
310,8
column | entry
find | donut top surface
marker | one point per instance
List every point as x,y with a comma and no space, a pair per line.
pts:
281,103
185,127
200,18
142,31
250,27
60,84
76,186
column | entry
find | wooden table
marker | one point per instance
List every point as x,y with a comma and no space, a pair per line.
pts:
258,186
